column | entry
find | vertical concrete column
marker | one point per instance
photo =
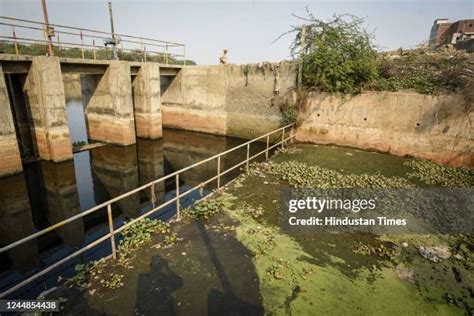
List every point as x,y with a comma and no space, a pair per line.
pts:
45,90
146,87
109,106
10,160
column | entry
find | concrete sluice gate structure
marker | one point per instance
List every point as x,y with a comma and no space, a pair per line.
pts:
116,94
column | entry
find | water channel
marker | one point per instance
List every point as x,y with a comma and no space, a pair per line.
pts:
46,193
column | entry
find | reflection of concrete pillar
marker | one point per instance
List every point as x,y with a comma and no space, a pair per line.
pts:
150,165
45,89
109,107
10,160
185,149
146,87
116,169
63,200
16,222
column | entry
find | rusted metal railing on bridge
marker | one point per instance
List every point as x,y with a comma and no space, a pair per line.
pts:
90,44
151,185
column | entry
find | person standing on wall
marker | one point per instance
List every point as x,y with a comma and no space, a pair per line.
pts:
223,58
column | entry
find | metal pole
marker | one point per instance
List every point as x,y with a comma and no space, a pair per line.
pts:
218,172
166,54
268,143
153,196
282,138
112,30
177,198
94,52
184,55
59,44
300,66
46,25
82,45
111,228
248,157
17,52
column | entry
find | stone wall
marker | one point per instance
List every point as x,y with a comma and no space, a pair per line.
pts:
400,123
234,100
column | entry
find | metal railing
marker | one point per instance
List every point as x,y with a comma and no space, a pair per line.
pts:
151,185
86,43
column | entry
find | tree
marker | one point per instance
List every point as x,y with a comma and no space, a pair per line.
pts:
338,54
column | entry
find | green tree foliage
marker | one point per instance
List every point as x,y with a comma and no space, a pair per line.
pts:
338,54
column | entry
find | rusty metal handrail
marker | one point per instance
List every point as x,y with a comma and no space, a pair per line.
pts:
151,185
142,45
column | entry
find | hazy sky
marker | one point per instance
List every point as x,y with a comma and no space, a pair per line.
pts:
246,28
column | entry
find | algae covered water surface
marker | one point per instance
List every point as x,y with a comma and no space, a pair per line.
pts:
230,256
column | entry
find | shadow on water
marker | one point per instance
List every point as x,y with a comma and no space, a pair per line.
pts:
47,193
210,273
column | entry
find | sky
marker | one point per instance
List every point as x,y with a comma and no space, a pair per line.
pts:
246,28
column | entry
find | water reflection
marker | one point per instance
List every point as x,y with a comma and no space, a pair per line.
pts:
50,192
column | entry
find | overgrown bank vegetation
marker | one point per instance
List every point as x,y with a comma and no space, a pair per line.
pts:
339,55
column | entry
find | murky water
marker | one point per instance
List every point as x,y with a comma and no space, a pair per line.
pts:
46,193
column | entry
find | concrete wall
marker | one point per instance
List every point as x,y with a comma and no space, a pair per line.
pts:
72,86
108,102
10,160
401,123
234,100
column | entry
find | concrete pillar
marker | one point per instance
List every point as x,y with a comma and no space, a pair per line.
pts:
146,88
109,106
10,159
45,90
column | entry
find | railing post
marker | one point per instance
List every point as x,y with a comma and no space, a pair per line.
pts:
184,55
248,157
17,52
94,51
82,45
266,150
178,217
111,229
282,137
292,132
153,196
218,172
59,44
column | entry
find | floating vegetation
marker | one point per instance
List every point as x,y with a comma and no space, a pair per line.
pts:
206,208
133,237
299,174
440,175
137,235
79,143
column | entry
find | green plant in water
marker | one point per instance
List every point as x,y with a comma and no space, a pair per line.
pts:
299,174
79,143
205,209
440,175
